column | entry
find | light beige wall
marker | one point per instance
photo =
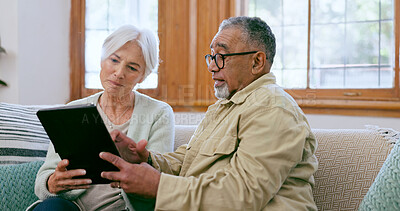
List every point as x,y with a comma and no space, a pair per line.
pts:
349,122
315,121
35,34
9,40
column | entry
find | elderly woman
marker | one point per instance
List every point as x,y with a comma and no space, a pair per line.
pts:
129,55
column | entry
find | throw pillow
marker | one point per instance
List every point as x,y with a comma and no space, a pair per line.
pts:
17,184
22,137
384,193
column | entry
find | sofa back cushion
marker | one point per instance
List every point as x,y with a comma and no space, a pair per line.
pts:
22,137
349,161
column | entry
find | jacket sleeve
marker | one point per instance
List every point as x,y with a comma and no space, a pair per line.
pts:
169,163
270,146
47,169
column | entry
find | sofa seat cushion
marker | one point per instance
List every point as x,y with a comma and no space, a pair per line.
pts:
17,184
349,161
22,137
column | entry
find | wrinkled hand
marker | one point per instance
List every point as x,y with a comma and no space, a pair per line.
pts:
141,179
62,179
128,149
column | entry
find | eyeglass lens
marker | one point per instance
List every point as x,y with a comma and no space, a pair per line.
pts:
219,61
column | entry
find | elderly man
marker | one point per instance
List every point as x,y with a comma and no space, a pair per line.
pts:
254,149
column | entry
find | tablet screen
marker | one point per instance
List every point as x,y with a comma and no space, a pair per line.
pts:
79,135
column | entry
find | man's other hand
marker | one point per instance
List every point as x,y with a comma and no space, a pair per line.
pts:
128,149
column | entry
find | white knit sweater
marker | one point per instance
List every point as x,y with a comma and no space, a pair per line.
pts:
151,120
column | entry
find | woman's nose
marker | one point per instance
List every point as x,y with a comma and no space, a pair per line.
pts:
119,71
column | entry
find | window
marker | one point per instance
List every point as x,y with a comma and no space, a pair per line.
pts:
102,18
288,21
336,54
351,42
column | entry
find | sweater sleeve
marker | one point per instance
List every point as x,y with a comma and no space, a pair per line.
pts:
162,132
47,169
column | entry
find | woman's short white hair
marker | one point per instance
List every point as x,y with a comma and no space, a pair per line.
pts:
146,39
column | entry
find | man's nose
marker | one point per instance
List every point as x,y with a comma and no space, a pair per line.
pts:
212,67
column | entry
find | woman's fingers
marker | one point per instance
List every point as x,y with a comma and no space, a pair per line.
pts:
62,165
63,179
73,183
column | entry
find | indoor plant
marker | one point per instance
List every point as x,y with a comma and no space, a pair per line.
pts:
2,50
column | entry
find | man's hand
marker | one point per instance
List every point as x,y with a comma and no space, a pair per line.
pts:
62,179
141,179
128,149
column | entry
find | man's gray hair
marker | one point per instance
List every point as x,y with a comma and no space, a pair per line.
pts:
146,39
256,32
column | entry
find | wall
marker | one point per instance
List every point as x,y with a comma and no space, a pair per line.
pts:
349,122
9,40
315,121
36,37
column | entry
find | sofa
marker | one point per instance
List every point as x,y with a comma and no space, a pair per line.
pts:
349,159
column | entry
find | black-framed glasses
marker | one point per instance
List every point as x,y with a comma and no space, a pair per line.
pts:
219,58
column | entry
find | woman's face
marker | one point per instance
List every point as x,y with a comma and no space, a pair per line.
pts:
123,69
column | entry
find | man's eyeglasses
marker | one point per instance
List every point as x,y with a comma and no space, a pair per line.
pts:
219,58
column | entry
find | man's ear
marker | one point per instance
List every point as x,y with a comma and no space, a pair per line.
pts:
259,62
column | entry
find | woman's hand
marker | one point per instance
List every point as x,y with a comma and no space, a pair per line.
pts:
128,149
62,179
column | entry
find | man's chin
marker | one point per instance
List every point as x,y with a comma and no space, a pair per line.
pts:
221,92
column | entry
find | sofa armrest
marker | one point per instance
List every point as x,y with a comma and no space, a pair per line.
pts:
17,184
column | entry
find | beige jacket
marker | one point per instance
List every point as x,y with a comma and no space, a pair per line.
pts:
252,152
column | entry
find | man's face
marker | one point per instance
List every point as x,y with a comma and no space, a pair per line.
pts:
236,73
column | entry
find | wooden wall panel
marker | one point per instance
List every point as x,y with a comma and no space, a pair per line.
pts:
187,29
76,53
208,24
176,41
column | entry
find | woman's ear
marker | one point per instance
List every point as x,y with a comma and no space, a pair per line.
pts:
259,62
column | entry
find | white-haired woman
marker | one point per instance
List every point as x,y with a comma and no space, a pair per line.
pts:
129,56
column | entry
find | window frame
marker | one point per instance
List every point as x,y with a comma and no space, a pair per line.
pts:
77,55
187,86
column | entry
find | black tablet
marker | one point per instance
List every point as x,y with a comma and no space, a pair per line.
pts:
79,135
